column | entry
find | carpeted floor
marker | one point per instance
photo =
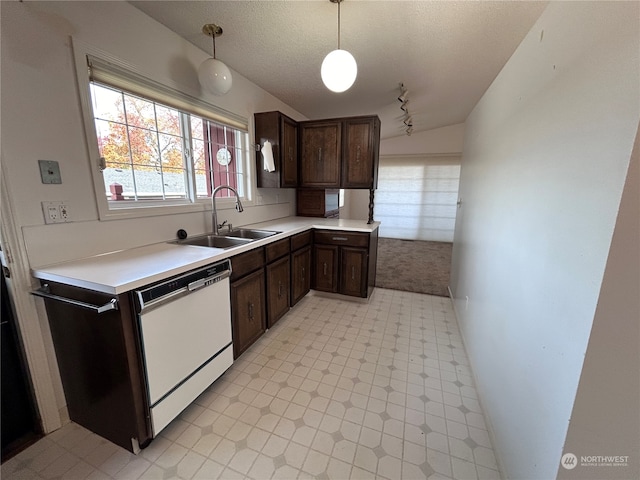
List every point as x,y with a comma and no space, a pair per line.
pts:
414,266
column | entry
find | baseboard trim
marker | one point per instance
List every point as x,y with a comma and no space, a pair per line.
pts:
487,419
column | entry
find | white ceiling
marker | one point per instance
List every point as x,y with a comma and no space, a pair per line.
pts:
446,53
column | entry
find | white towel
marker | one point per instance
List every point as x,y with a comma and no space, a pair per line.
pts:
267,155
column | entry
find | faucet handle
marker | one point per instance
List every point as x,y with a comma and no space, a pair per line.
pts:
220,225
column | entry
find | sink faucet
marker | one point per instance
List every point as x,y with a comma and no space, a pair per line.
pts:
214,213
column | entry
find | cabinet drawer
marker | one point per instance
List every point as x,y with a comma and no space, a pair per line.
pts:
337,237
277,249
301,240
246,263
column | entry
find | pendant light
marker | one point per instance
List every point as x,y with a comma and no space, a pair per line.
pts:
339,69
214,76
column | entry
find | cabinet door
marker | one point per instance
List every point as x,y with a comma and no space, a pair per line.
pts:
289,152
321,152
353,271
278,287
282,132
325,264
360,153
247,311
300,274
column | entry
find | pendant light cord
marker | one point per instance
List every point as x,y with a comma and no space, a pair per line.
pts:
213,36
339,1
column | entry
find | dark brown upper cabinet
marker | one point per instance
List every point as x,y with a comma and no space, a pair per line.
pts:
360,152
282,132
320,155
330,153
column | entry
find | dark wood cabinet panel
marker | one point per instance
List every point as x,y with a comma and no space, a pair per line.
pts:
301,240
247,262
361,140
355,256
325,264
353,271
300,274
282,132
289,152
277,249
320,157
339,237
100,365
278,288
248,311
313,202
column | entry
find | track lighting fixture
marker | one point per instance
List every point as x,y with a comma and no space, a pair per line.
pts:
403,98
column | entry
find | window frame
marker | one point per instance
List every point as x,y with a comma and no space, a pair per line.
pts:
129,74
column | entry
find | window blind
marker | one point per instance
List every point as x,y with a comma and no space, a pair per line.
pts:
107,73
417,196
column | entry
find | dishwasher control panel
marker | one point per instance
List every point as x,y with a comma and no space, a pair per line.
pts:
184,283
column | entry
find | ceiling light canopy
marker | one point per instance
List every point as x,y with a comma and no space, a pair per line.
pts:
214,76
339,69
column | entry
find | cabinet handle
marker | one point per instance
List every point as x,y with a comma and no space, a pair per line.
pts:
290,154
44,292
339,239
320,154
325,268
353,272
279,289
251,312
358,154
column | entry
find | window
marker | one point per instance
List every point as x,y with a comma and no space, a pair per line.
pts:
155,153
153,148
416,197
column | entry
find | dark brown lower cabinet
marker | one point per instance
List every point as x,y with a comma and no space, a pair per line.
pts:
100,364
300,274
278,287
248,311
345,262
325,262
353,271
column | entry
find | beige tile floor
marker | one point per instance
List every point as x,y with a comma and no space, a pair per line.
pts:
336,390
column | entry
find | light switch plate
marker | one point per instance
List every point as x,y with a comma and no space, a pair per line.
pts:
50,171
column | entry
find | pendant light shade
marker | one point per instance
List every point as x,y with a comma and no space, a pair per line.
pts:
214,76
339,69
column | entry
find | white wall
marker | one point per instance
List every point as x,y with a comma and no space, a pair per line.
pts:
545,157
447,140
41,119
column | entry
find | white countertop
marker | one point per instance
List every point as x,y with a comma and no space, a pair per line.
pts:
124,270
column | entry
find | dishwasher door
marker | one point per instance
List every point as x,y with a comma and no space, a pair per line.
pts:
186,344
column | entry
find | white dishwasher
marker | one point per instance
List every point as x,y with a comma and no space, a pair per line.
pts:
185,325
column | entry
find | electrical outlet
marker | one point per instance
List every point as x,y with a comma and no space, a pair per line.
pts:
63,210
56,212
259,200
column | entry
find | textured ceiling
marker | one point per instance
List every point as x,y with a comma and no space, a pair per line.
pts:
446,53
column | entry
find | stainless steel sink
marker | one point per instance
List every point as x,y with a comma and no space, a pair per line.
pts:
215,241
250,233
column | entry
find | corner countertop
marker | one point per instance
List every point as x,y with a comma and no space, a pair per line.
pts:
124,270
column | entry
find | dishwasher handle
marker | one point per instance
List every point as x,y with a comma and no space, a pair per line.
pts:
44,292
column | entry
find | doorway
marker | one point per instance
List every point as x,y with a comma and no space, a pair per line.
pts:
20,424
